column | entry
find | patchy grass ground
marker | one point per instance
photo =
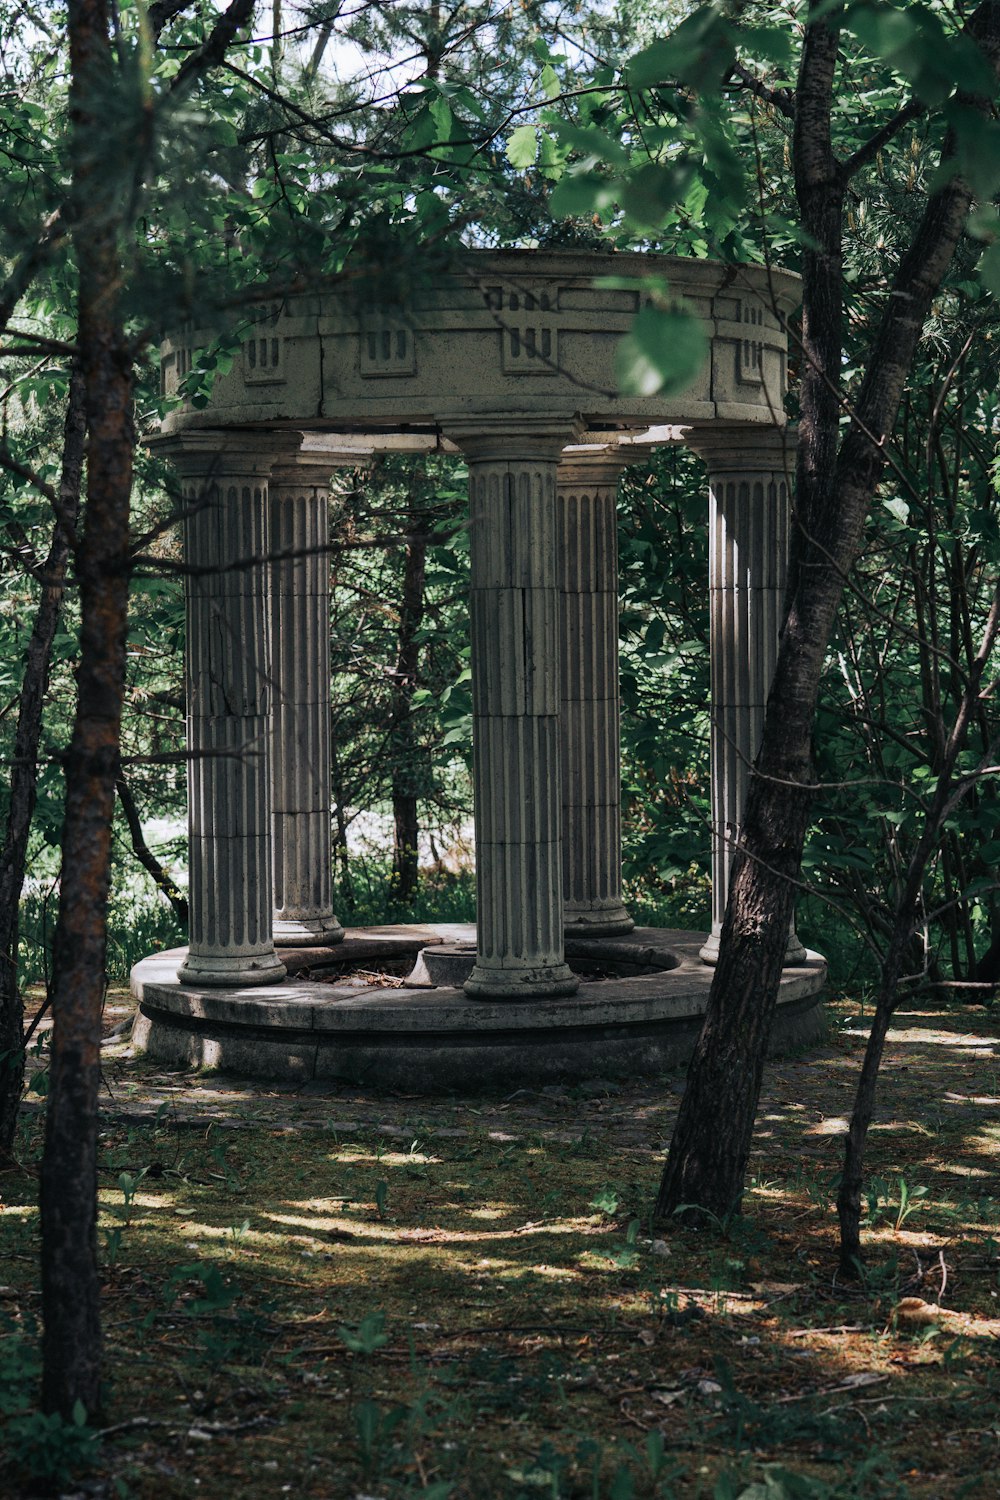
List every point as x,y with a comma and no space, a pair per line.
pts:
324,1293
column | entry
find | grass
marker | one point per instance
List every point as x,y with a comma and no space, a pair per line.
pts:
332,1293
368,899
139,923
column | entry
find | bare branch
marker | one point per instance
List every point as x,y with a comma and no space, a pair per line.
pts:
223,33
868,152
783,100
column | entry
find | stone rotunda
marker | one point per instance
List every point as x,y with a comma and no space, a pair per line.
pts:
510,359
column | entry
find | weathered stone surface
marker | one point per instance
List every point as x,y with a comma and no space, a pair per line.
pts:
501,333
516,697
425,1040
749,515
589,727
300,672
228,693
391,947
511,357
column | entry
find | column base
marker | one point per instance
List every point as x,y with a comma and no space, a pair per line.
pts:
794,954
242,970
521,984
307,932
596,921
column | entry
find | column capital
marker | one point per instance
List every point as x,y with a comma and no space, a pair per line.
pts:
319,456
227,450
592,465
745,449
515,437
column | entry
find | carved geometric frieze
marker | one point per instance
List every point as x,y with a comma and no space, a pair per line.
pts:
264,348
473,339
176,365
528,319
388,347
751,351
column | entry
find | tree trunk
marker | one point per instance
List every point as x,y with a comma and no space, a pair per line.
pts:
407,778
849,1193
706,1165
71,1345
711,1142
24,773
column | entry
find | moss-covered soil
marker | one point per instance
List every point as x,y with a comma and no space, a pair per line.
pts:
333,1293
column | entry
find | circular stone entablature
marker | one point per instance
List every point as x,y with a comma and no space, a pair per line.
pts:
500,333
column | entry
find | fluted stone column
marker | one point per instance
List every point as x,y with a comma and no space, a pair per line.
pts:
300,672
228,709
590,707
516,691
749,473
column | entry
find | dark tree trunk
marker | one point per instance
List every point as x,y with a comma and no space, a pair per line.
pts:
407,770
71,1345
711,1143
24,773
706,1165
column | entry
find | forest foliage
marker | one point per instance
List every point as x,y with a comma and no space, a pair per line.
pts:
219,157
525,126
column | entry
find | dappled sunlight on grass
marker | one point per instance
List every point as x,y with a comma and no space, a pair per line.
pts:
376,1295
925,1037
832,1125
384,1159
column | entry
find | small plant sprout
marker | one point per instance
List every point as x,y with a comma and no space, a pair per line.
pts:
367,1336
238,1232
908,1201
606,1201
129,1186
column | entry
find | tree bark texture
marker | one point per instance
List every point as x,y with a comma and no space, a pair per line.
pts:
71,1345
24,772
711,1143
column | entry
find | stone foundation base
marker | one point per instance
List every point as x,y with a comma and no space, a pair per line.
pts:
426,1039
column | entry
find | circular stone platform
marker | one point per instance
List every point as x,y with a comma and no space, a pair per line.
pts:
367,1028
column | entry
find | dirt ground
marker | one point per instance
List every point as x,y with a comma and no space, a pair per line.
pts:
337,1294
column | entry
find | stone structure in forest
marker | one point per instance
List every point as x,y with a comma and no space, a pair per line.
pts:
509,358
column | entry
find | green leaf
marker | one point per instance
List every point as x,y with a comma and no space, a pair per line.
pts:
977,153
368,1336
913,42
522,148
589,141
655,190
444,120
581,193
549,159
662,353
550,84
771,42
899,509
698,53
886,32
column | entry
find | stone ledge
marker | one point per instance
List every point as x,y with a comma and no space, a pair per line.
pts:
425,1040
